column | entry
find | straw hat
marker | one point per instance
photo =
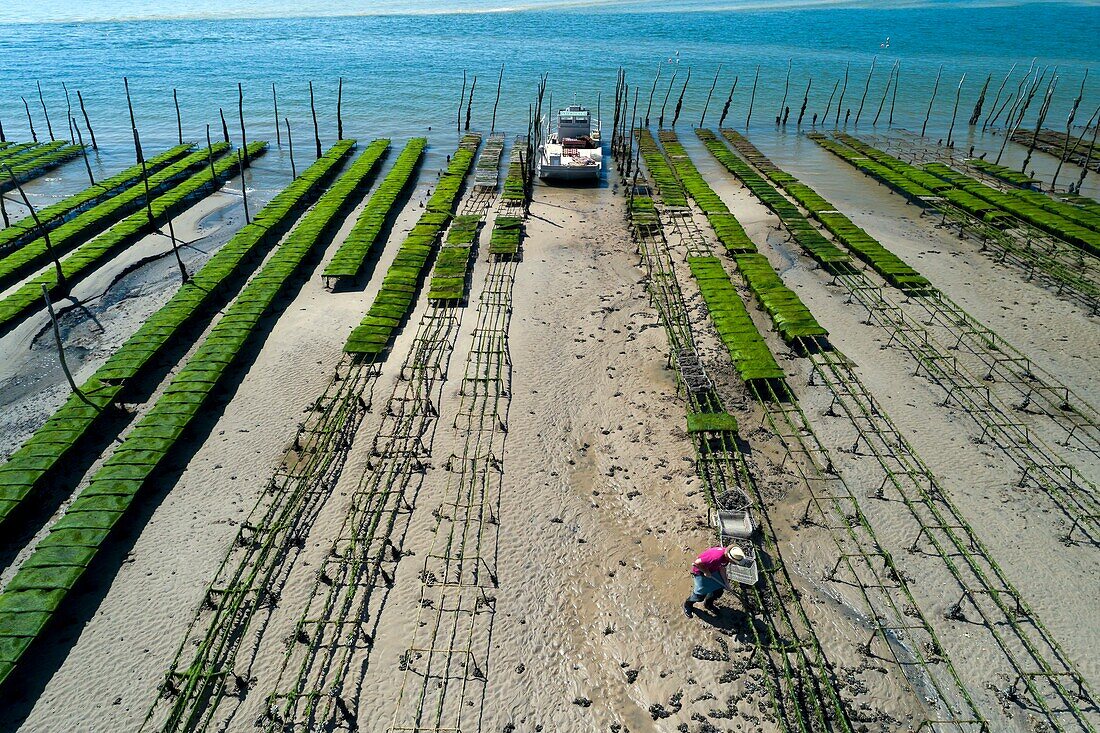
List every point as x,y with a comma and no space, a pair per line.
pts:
735,553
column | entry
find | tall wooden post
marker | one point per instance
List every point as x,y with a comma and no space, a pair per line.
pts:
87,122
652,90
69,113
829,106
977,113
45,112
60,346
894,99
928,112
1041,119
1021,104
786,89
61,282
240,114
210,159
225,127
1069,129
805,101
339,106
1088,156
244,187
680,101
752,97
500,80
316,130
882,102
955,111
133,128
866,88
179,118
290,146
30,122
461,99
706,106
470,102
729,101
843,89
664,104
84,151
998,97
275,101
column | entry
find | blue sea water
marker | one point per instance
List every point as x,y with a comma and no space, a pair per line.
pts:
403,72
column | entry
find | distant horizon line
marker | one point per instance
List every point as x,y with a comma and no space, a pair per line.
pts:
604,6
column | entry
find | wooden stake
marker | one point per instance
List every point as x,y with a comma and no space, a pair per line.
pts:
998,97
866,88
805,101
1022,103
1069,128
290,145
133,128
843,89
680,101
894,99
752,98
706,106
786,88
339,109
61,282
882,102
83,150
1088,155
87,122
470,102
45,112
240,114
729,101
60,346
614,115
145,180
627,131
1008,101
69,113
210,159
630,164
30,122
225,127
461,99
500,80
931,99
1040,120
184,276
1024,84
179,118
3,139
668,93
955,111
653,89
4,213
316,130
977,113
829,106
244,188
275,101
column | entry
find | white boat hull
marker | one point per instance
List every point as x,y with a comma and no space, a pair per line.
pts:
569,172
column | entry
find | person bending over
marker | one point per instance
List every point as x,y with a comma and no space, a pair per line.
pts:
709,576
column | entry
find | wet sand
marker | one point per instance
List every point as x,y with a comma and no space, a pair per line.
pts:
600,511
